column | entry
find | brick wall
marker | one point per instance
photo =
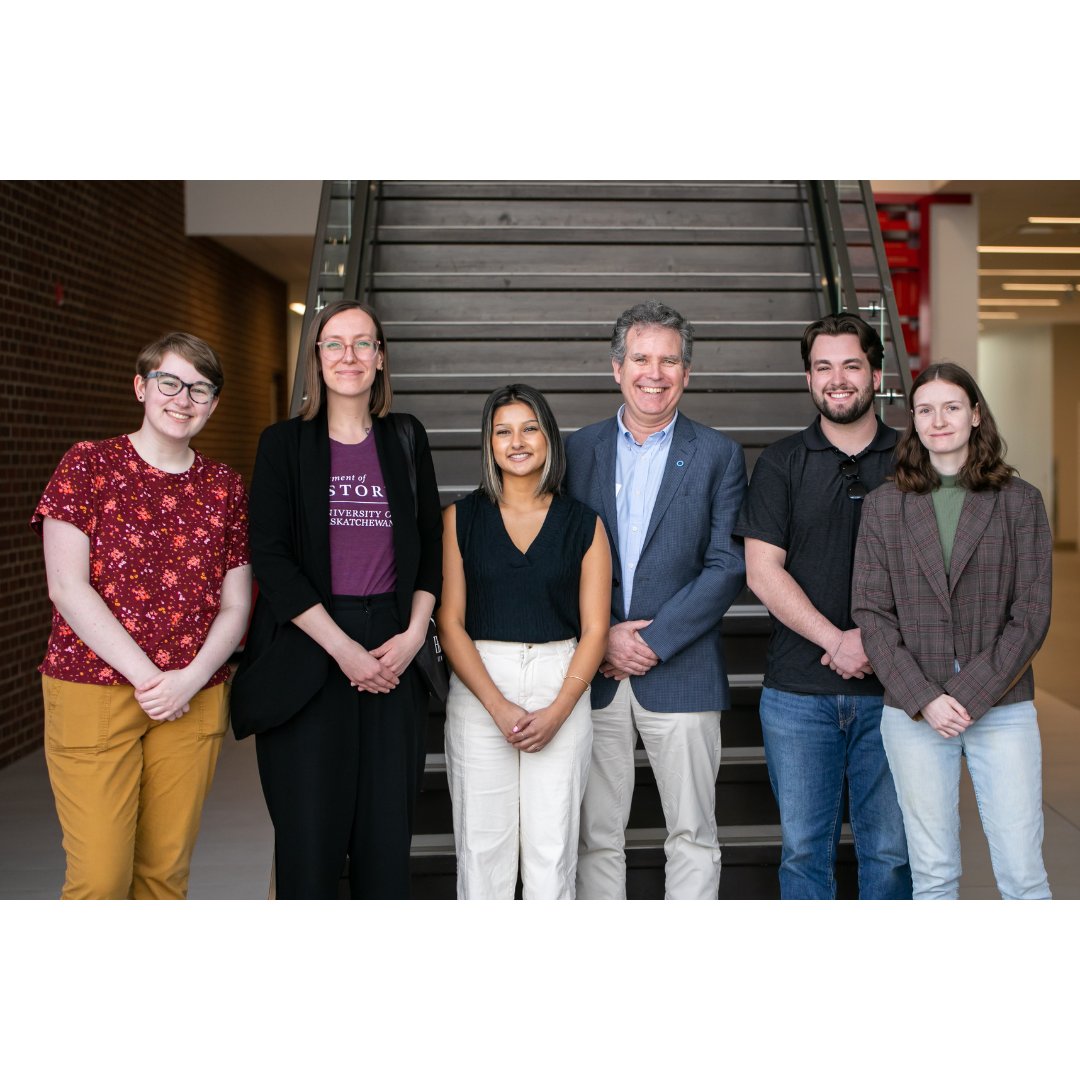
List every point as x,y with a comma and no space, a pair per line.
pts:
89,274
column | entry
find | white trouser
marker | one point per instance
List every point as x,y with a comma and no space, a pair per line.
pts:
509,804
684,751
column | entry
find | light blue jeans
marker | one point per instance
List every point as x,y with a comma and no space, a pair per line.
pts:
1004,757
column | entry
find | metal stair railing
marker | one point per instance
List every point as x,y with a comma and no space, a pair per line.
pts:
341,258
845,224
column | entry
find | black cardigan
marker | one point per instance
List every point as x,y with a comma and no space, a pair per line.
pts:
282,668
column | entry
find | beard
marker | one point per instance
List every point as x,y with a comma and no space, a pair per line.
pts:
848,412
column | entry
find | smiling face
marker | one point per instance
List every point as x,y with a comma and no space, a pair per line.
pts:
350,376
841,380
652,378
173,418
944,421
517,441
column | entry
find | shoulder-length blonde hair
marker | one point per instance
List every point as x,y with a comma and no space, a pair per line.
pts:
381,393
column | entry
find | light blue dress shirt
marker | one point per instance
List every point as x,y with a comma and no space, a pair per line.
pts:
638,472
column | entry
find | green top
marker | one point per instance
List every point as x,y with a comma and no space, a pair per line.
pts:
948,502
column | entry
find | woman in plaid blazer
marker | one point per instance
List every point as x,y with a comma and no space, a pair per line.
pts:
951,590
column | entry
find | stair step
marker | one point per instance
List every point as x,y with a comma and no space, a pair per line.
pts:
593,214
517,363
539,307
631,257
743,190
578,329
727,412
729,836
594,382
597,234
732,755
566,281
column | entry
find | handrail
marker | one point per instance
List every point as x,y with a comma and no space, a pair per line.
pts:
350,278
311,297
892,313
367,241
838,279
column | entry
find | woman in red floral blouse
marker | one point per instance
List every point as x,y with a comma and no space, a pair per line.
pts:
147,560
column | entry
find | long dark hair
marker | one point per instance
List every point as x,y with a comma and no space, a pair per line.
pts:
551,479
985,467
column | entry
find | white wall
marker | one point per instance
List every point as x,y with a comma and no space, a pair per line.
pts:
1016,373
252,207
954,284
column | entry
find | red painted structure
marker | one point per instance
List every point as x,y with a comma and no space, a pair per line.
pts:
905,222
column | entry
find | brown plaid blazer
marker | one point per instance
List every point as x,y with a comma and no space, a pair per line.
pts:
990,614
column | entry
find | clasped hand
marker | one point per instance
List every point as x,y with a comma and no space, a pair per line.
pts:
366,671
848,659
166,695
947,716
527,731
627,652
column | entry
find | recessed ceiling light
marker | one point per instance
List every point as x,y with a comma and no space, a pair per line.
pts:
1029,273
996,249
297,308
1031,286
1009,302
1054,220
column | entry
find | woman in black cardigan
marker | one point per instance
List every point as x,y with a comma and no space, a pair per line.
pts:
347,559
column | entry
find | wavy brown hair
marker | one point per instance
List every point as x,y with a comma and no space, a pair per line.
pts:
381,394
985,468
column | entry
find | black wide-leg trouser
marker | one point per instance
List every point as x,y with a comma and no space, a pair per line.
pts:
340,777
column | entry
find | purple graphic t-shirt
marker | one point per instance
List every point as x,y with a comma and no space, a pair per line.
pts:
361,532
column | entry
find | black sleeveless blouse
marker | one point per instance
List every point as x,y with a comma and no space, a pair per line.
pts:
530,596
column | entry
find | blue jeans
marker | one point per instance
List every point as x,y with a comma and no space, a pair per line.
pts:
1004,757
812,742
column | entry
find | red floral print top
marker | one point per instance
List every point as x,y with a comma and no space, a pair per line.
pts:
160,547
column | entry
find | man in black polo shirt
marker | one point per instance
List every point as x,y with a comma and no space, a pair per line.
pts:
821,705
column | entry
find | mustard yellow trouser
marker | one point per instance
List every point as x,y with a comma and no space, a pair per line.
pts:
129,790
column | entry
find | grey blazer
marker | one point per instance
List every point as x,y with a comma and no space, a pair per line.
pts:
989,614
691,566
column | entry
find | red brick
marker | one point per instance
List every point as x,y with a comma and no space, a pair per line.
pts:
129,274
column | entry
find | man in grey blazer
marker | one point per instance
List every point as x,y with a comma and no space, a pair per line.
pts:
668,491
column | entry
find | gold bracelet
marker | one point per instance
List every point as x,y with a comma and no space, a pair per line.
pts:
579,679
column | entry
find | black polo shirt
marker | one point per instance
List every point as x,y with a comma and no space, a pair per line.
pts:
797,500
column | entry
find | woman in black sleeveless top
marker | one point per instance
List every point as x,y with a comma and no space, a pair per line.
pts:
524,620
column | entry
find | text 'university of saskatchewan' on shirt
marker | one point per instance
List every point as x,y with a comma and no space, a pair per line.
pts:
361,528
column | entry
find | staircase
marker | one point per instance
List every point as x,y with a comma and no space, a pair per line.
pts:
481,283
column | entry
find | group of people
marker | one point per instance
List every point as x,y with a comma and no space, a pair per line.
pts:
578,593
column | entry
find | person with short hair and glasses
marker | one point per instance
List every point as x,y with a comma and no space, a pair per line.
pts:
146,554
821,702
952,593
346,546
